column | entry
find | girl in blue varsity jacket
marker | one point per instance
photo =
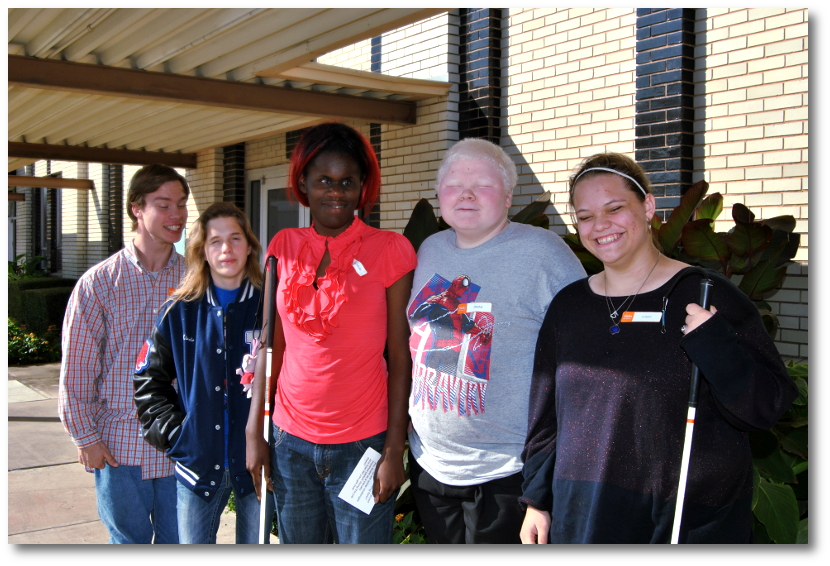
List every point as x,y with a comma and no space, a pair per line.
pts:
188,393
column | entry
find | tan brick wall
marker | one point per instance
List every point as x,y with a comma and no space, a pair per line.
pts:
751,124
356,56
569,86
410,155
752,131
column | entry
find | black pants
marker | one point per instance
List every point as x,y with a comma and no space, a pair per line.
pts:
473,514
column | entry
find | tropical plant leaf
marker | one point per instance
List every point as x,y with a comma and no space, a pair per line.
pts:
766,455
801,535
770,320
756,480
793,440
711,207
801,383
541,221
740,213
533,210
699,240
589,261
764,277
670,232
748,240
761,536
797,370
422,224
785,223
784,246
777,509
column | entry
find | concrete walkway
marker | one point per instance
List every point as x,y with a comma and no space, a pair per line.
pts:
51,498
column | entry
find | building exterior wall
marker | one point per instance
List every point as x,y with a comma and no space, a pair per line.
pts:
569,94
569,90
752,130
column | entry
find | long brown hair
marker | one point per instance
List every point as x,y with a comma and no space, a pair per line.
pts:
197,277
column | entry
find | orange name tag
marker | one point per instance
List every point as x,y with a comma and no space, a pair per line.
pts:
633,316
474,307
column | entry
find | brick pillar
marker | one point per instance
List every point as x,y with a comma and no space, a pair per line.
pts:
479,86
233,187
372,218
665,101
113,185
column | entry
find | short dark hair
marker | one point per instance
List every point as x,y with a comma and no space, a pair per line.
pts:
341,139
147,180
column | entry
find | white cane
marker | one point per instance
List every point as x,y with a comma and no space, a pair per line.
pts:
694,386
268,332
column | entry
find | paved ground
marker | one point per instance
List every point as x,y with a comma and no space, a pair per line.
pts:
51,497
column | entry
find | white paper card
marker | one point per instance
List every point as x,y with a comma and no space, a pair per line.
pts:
359,268
358,488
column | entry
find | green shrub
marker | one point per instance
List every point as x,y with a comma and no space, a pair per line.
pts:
44,308
25,347
17,287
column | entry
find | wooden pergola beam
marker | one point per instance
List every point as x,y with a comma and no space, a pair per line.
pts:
50,182
100,155
16,197
167,87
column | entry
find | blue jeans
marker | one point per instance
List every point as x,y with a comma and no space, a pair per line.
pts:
136,511
307,478
199,519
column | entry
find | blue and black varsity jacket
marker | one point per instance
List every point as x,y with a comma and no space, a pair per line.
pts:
201,345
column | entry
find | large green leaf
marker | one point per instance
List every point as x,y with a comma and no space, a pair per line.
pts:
747,240
756,480
422,224
785,223
764,277
761,536
801,535
669,233
793,440
740,213
766,454
777,509
770,320
699,240
711,207
533,210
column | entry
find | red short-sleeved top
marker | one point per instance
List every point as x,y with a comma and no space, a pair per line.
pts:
332,386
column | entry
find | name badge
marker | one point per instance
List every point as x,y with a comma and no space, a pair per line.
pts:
359,268
475,307
632,316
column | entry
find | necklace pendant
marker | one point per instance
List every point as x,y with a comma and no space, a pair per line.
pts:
614,330
614,315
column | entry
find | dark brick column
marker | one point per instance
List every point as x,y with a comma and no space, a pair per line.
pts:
479,89
234,175
665,101
372,218
113,185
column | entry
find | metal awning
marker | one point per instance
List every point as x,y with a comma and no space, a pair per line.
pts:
136,85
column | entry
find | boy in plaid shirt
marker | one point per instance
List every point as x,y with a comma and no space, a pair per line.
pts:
109,315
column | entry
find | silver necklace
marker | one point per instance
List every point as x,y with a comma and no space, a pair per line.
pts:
613,314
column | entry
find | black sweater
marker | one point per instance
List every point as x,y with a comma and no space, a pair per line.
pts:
607,416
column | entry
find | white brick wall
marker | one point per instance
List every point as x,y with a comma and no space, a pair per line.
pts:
751,123
569,93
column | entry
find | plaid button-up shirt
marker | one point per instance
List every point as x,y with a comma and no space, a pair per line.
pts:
109,315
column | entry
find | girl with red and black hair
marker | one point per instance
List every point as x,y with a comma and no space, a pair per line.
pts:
341,299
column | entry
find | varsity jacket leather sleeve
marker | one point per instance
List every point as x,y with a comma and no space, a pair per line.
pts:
155,396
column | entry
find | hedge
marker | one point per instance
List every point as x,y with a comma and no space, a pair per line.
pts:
16,310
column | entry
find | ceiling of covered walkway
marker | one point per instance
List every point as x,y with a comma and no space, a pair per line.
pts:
157,85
